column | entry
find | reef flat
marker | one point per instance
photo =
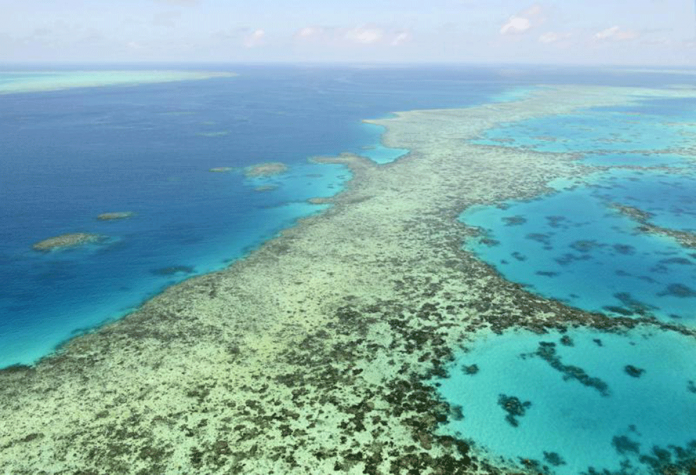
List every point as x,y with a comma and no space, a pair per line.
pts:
38,81
311,355
685,238
66,241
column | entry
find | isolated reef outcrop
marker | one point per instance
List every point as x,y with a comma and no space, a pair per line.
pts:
265,169
114,216
64,241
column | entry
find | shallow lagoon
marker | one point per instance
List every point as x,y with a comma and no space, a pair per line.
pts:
600,130
574,245
577,400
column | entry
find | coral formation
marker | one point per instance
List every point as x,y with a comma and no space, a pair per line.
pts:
115,215
66,241
265,169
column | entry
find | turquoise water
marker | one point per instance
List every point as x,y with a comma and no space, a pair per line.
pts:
620,403
599,130
378,153
644,159
514,94
34,81
573,245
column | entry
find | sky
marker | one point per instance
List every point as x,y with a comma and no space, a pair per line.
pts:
592,32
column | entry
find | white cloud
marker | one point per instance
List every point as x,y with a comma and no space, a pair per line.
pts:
255,38
553,37
523,21
364,35
549,37
608,33
616,33
310,32
401,38
368,35
516,25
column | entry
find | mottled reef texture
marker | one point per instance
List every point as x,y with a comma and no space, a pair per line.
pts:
265,169
643,218
65,241
310,356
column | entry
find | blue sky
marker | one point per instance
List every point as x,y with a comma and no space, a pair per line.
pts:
632,32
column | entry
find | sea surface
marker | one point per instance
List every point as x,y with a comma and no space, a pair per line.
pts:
569,403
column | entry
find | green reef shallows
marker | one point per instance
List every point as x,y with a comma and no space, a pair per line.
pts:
39,81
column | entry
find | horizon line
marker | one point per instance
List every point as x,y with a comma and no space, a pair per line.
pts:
680,66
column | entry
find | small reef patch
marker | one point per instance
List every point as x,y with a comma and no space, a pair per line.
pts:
514,408
115,216
263,188
174,270
65,241
265,169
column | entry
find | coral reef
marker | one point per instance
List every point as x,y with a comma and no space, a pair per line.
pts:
312,355
115,215
265,169
66,241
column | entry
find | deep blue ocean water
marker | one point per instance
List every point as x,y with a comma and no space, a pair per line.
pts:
69,155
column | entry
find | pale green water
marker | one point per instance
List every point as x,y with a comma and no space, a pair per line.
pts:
31,81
